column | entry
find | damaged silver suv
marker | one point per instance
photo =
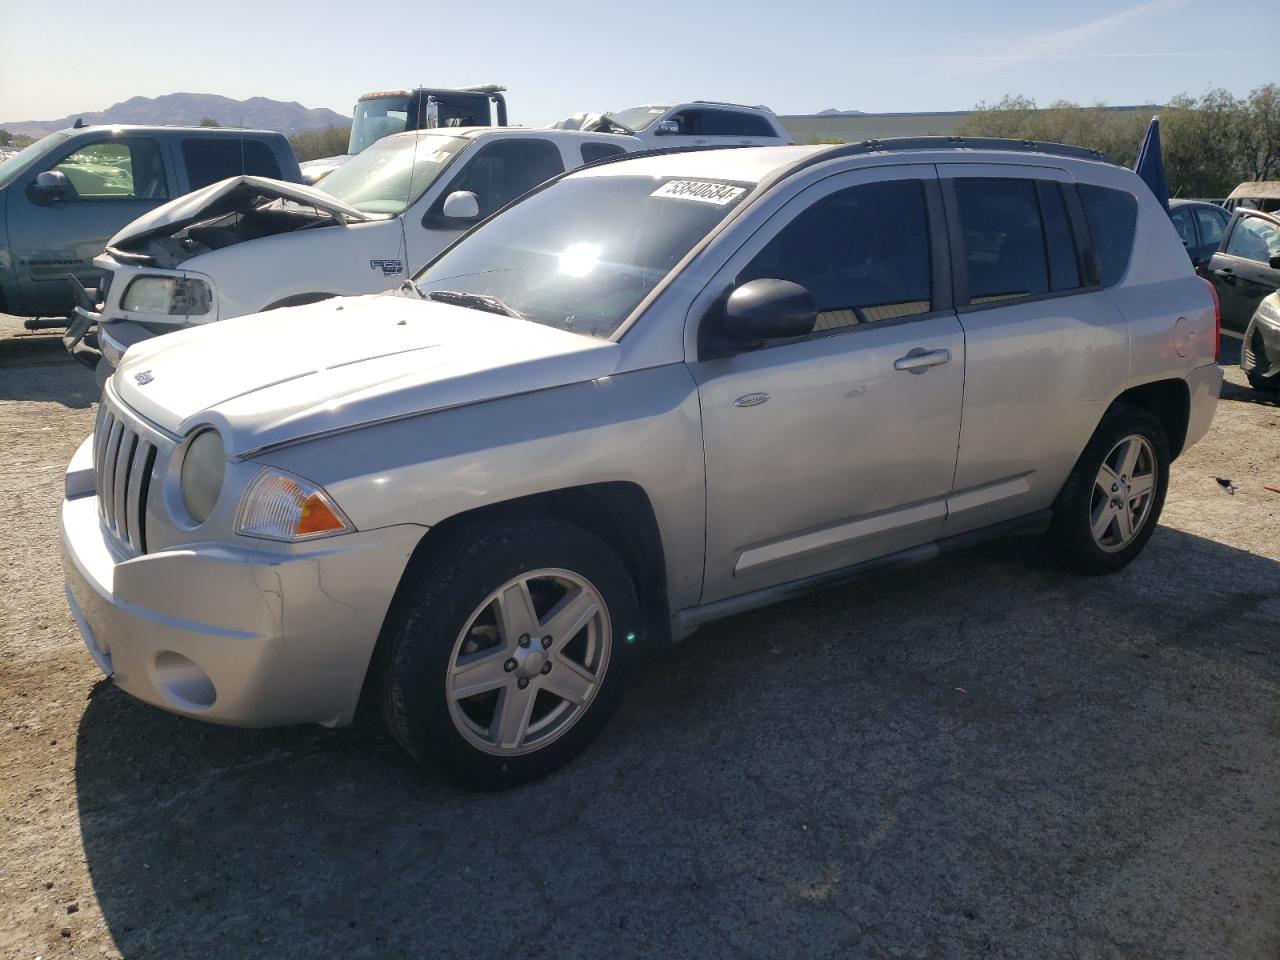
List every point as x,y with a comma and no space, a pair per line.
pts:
655,392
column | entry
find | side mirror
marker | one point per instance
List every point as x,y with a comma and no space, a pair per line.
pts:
53,185
1275,263
666,128
769,310
461,205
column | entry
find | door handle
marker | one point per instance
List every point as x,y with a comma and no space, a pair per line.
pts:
918,359
1226,274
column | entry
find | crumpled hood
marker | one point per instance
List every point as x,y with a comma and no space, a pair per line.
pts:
271,378
226,196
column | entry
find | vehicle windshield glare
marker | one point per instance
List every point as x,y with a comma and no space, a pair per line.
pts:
375,119
637,118
393,173
581,254
27,157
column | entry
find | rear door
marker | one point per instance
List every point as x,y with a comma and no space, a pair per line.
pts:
1241,271
1043,349
116,180
838,447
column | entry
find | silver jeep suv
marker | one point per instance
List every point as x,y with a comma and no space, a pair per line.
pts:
654,392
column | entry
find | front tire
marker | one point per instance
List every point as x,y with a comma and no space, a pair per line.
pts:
1264,384
1111,502
511,653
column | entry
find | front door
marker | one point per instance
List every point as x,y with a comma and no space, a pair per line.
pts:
115,181
840,446
1241,271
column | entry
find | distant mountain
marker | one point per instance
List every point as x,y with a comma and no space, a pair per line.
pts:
188,109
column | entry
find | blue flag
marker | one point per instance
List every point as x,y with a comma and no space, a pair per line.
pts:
1150,165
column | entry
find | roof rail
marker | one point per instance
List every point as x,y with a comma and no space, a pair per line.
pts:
963,143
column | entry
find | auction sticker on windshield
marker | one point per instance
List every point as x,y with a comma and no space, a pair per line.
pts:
701,191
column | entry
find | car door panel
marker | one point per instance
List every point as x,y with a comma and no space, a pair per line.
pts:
836,448
1241,272
1039,371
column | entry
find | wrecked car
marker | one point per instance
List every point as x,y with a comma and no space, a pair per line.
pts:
251,244
699,123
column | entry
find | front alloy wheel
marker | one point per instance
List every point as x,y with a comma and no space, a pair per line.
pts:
529,662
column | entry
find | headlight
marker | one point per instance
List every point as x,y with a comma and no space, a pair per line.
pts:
176,296
203,467
278,506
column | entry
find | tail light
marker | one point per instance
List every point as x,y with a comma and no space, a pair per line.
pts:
1217,320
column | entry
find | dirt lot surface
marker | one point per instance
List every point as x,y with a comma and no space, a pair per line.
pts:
978,757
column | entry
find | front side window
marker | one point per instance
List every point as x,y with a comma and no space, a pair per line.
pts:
638,118
505,169
116,170
210,159
581,254
1255,239
1112,216
862,252
1004,240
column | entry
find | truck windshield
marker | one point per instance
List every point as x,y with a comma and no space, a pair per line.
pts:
24,159
392,174
581,254
375,119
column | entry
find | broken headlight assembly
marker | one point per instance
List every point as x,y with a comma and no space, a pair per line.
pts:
176,296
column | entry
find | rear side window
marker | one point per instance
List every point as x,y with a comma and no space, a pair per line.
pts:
862,252
505,169
1004,239
210,159
1213,224
1112,216
731,123
594,150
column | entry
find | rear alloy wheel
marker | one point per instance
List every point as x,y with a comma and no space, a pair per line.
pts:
1111,502
509,650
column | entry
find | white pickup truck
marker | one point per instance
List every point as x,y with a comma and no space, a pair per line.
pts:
249,244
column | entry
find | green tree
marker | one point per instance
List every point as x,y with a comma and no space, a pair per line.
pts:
325,142
209,122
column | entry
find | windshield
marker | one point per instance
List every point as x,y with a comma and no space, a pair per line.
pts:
375,119
581,254
392,174
26,158
637,118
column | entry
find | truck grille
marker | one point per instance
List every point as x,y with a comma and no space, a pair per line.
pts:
123,459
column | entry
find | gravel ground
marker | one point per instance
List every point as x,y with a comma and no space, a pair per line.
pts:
977,757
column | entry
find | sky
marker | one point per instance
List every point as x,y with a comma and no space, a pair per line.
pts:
557,57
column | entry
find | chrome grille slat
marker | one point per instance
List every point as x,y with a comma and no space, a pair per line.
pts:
107,476
125,452
143,459
120,485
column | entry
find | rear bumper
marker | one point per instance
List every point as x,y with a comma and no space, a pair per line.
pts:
229,635
1204,384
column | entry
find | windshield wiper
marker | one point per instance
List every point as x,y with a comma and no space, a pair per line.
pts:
475,301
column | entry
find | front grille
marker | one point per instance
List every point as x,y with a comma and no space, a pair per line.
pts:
123,459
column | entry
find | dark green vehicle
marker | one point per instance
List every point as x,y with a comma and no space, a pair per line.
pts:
63,197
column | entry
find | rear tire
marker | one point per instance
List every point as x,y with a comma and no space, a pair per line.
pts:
534,615
1110,505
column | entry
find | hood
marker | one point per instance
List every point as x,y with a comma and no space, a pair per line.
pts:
281,376
236,194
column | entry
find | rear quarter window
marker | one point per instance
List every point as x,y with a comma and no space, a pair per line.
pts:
210,159
1112,216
